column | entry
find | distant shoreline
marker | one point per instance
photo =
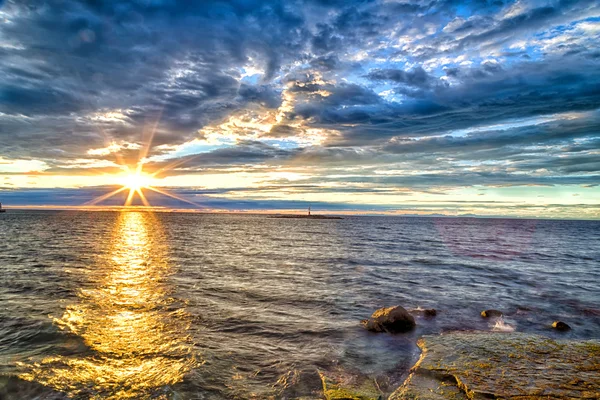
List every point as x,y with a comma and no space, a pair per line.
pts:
304,216
274,213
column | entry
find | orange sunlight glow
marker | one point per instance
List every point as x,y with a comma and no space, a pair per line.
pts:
136,181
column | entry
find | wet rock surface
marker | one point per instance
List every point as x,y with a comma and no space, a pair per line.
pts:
392,320
560,326
426,313
491,314
13,388
503,365
355,388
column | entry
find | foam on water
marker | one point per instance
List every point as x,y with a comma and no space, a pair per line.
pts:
501,326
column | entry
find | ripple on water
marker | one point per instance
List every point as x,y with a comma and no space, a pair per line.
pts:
134,305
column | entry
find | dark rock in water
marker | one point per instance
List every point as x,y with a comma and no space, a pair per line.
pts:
392,320
491,314
560,326
503,365
427,313
14,388
430,312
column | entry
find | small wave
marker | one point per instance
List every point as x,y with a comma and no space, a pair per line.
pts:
501,326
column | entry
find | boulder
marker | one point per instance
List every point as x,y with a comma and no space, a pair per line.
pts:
560,326
491,314
392,320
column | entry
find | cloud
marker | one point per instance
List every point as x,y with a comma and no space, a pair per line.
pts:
390,95
416,77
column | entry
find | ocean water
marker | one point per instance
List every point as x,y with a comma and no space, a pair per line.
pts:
138,305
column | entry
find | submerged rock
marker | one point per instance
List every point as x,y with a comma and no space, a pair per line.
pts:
502,365
427,312
392,319
430,312
491,314
354,389
561,326
14,388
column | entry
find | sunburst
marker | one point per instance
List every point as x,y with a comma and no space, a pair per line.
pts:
136,180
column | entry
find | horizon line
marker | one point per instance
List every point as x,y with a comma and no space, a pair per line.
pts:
350,213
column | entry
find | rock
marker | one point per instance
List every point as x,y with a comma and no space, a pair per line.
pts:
353,389
491,314
14,388
392,320
430,312
299,384
560,326
471,365
427,313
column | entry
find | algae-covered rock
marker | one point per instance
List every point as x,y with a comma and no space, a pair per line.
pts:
354,389
424,387
501,365
392,319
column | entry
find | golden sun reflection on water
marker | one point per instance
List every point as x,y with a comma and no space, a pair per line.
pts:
134,330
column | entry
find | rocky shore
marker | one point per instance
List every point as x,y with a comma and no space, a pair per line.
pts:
503,365
484,365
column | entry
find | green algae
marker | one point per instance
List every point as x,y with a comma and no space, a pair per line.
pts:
366,389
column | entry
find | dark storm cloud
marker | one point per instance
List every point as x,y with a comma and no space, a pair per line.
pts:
417,77
263,95
176,59
484,95
549,133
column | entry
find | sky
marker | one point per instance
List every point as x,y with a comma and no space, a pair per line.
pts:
487,108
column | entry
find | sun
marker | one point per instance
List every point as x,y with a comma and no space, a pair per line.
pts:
136,181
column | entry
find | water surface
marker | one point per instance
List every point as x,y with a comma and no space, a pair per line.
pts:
143,305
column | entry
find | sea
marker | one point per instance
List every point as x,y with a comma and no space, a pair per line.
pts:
143,305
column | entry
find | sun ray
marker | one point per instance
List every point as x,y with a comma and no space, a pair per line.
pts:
165,193
149,139
140,193
129,197
134,179
104,197
107,138
175,164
